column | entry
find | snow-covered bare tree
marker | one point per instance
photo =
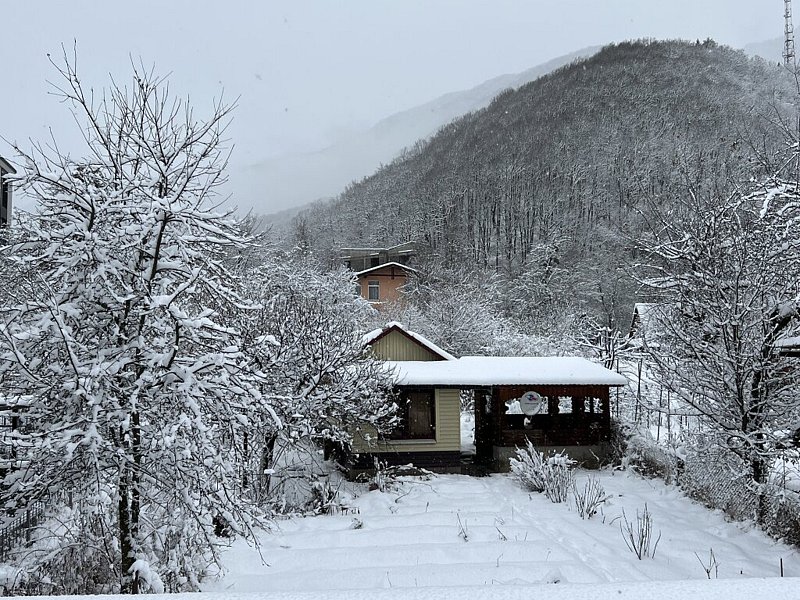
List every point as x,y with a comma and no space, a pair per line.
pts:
317,373
465,310
136,391
727,273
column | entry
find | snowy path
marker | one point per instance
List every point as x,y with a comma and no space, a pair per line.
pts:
411,538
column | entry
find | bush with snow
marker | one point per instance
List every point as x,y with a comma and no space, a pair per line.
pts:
651,458
551,475
638,535
589,499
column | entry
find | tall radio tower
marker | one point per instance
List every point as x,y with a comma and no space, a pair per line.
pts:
788,31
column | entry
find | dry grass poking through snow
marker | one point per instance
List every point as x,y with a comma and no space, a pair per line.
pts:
462,531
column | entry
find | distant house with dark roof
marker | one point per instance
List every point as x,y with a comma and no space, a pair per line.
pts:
360,259
381,272
5,192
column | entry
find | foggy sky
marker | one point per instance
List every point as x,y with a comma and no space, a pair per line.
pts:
306,72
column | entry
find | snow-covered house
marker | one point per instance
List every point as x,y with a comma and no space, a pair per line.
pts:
429,434
5,192
381,272
382,284
359,259
559,403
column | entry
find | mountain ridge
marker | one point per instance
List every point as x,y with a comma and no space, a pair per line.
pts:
564,167
356,156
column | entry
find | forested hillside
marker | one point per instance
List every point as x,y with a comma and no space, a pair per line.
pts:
550,185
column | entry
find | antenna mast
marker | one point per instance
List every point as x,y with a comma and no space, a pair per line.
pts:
788,38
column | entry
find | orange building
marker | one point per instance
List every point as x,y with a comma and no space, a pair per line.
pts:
383,283
381,272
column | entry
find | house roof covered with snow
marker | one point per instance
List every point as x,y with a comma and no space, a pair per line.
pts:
788,346
376,334
788,342
385,265
478,371
644,313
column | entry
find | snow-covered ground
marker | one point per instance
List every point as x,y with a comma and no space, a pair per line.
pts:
457,532
468,432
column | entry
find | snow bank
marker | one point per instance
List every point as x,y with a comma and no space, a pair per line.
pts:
715,589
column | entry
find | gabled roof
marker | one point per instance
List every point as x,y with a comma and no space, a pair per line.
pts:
388,264
6,166
650,322
479,371
373,336
642,316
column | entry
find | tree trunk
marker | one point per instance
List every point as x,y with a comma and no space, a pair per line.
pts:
760,468
129,509
128,583
267,459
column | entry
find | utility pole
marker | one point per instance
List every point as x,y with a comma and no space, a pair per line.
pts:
788,35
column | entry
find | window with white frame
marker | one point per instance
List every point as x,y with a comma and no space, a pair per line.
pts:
373,290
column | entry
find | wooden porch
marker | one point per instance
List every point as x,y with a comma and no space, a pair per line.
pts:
574,417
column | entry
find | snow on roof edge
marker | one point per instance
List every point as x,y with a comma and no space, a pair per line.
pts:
387,264
478,371
371,336
787,342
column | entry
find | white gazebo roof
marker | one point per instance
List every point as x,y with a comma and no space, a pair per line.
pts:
479,371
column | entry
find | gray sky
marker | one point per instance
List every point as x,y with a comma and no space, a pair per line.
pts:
309,71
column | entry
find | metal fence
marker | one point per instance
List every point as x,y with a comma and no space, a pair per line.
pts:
20,529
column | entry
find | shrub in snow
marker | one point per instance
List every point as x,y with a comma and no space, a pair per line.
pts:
529,468
463,530
382,479
638,535
552,475
324,498
385,477
67,552
589,499
710,565
302,483
651,459
559,477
